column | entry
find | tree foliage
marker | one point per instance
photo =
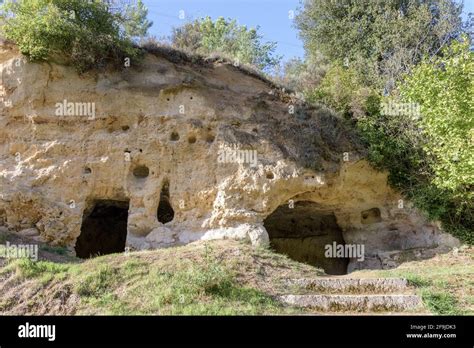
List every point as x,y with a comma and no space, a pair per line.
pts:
430,158
227,38
134,20
444,88
84,33
381,40
401,53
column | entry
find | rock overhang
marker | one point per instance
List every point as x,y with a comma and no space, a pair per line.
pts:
230,147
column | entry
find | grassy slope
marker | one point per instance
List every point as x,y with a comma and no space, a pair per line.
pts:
445,282
218,277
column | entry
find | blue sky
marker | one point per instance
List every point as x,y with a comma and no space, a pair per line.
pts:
271,15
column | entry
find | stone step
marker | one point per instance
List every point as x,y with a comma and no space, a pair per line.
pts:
350,285
354,303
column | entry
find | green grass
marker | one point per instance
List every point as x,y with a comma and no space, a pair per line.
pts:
27,268
443,285
54,249
141,283
212,278
441,302
190,288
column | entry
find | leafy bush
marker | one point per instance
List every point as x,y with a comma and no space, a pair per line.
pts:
444,88
84,33
381,39
342,90
226,37
430,159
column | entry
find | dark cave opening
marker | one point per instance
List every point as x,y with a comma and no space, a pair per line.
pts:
303,231
165,211
103,230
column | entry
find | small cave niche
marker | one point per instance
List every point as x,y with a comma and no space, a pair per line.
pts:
192,139
87,170
141,172
174,136
3,217
370,216
303,232
165,211
103,230
210,138
270,176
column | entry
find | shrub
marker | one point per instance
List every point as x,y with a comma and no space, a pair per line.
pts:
342,89
430,158
84,33
227,38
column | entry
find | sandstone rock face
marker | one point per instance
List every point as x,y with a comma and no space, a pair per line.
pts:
195,150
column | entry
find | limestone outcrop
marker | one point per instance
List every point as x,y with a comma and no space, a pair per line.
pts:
191,149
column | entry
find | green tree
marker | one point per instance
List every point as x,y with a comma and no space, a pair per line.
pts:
342,89
303,75
381,40
430,156
444,88
227,38
84,33
134,20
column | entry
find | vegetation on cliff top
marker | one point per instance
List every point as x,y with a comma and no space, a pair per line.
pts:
88,34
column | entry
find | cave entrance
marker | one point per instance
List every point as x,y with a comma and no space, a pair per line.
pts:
165,212
104,229
302,233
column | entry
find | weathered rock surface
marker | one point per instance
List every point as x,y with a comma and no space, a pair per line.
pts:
355,303
198,150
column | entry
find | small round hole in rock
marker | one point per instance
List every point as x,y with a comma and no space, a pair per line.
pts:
270,175
125,128
371,216
210,138
87,170
174,136
191,139
141,172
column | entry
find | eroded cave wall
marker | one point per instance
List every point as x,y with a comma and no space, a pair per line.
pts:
168,124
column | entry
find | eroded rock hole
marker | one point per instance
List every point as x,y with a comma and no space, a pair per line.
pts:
210,138
103,230
174,136
165,212
371,216
141,172
302,233
3,217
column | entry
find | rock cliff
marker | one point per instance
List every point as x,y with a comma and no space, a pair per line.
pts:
181,149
